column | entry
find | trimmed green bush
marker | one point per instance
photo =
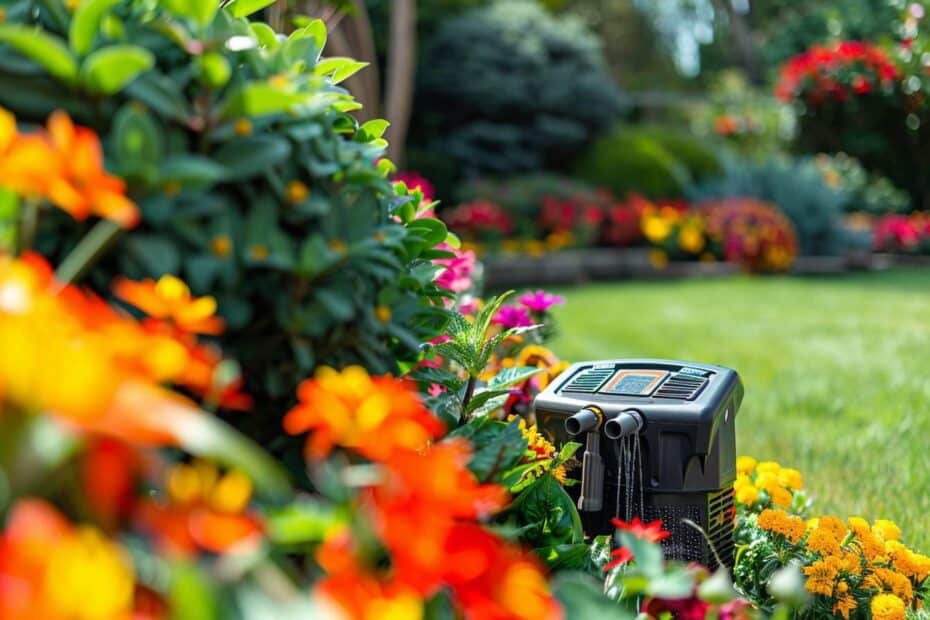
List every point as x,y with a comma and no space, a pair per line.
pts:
510,88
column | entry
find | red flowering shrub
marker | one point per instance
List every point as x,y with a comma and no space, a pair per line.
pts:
479,221
902,233
750,232
836,73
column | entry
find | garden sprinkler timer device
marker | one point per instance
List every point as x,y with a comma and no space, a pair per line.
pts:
658,442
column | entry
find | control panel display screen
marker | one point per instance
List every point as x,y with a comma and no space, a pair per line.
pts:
634,382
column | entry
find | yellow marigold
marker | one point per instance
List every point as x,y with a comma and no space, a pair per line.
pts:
747,495
921,566
887,530
745,465
901,558
823,542
858,525
821,576
768,467
742,480
832,525
888,580
780,497
844,605
791,478
887,607
656,228
780,522
850,562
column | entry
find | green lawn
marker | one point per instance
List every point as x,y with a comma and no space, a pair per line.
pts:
837,373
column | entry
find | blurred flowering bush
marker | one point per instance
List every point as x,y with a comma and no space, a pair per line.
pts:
751,233
905,234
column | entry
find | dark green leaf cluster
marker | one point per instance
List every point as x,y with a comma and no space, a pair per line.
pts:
513,88
255,182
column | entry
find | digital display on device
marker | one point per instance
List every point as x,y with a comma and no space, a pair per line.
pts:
634,382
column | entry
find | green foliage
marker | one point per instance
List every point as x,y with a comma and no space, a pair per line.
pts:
510,88
798,189
255,184
869,193
653,161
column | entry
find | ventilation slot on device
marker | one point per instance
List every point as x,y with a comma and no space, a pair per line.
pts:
683,387
589,380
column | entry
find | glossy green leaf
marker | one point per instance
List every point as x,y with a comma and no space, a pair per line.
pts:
373,129
340,69
583,597
244,8
259,98
199,11
245,157
45,50
109,70
303,521
191,594
265,34
87,23
214,69
192,170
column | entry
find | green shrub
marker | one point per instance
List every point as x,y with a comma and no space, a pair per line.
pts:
255,183
869,193
634,160
693,154
798,189
510,88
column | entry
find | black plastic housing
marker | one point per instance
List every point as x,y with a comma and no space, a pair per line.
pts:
687,441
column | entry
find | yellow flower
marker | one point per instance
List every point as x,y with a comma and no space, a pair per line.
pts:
886,529
768,467
780,497
832,525
658,259
745,465
844,605
88,577
243,127
887,607
821,576
780,522
656,228
791,478
259,251
691,239
297,192
887,580
823,542
747,495
221,245
383,313
901,558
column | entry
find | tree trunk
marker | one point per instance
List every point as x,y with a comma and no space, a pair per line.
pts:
743,40
401,73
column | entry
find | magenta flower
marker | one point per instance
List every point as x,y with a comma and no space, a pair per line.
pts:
513,316
540,301
457,275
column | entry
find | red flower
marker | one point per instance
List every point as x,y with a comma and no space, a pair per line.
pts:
620,557
651,531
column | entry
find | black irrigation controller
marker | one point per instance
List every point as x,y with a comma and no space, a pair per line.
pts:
658,442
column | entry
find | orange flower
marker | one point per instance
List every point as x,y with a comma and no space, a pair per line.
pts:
53,570
493,580
372,415
77,182
24,159
206,510
170,299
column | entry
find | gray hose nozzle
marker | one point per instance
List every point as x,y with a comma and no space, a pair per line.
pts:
585,421
623,424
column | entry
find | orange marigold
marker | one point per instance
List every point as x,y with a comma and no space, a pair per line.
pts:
170,299
780,522
372,415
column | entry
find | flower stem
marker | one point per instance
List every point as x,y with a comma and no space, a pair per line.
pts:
28,223
87,251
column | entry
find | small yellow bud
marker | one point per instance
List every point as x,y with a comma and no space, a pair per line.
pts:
243,127
221,245
383,313
297,192
259,251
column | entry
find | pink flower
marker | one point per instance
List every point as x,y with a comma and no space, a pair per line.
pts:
540,301
457,275
513,316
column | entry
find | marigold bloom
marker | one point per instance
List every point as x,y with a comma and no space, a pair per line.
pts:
780,522
887,607
170,299
747,495
821,576
53,570
745,465
887,530
373,415
205,510
823,542
844,605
